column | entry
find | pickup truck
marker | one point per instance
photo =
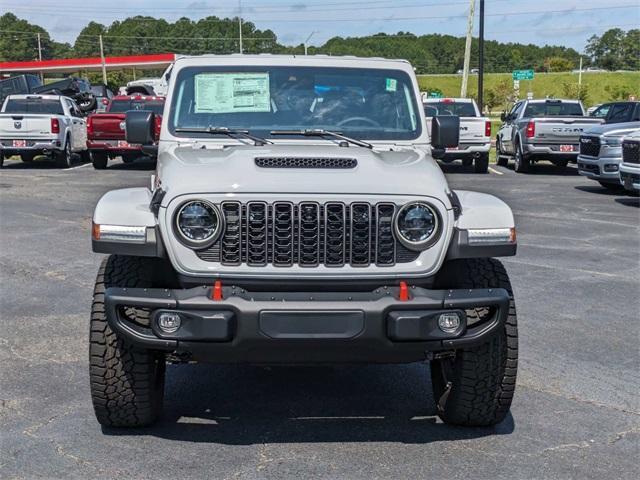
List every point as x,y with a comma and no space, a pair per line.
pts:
105,131
630,167
542,130
601,153
50,125
475,130
618,112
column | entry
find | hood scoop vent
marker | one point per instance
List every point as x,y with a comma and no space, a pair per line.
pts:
306,162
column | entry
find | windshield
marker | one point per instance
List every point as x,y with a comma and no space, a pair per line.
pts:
360,103
463,109
120,106
34,105
551,109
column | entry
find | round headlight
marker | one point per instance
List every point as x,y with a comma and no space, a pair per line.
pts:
417,225
198,223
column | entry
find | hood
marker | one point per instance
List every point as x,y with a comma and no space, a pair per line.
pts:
233,169
613,129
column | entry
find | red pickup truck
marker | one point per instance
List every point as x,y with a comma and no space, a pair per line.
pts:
105,131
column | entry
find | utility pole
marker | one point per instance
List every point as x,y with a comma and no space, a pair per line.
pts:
467,49
40,56
240,22
481,59
104,67
580,72
307,41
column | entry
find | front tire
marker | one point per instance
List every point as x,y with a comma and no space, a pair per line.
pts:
476,387
501,159
481,164
126,382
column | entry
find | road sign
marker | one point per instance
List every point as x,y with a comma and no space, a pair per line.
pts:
522,74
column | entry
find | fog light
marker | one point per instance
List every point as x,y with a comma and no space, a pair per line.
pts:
449,322
611,167
169,322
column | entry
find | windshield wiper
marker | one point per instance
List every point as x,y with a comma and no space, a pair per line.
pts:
230,132
320,132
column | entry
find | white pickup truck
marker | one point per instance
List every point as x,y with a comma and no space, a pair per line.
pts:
475,130
50,125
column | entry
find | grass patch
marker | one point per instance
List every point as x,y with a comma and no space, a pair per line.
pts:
543,85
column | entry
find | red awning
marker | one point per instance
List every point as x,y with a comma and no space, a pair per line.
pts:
160,60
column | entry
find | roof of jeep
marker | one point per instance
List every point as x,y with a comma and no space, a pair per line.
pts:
288,60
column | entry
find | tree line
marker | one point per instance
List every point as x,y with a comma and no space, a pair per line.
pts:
430,54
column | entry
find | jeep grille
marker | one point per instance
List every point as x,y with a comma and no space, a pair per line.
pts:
307,234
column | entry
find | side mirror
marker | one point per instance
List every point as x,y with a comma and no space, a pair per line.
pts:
139,127
445,133
504,116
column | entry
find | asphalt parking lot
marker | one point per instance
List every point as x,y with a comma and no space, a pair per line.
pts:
576,413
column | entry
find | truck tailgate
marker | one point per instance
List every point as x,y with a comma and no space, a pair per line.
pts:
472,130
106,126
28,126
561,130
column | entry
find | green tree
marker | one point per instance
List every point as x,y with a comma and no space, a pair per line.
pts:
576,91
558,64
19,41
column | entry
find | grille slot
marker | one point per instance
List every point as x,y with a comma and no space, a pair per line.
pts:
256,239
630,152
231,245
590,146
306,162
360,234
308,234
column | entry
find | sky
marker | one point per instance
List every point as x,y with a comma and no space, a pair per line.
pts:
554,22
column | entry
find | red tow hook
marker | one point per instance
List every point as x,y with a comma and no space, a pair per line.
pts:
403,294
216,293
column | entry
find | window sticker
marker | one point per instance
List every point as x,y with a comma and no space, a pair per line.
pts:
391,84
232,92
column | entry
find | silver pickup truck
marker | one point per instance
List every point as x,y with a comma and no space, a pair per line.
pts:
630,166
50,125
542,130
601,153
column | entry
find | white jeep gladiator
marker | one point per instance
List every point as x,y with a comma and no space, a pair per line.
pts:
475,130
297,215
50,125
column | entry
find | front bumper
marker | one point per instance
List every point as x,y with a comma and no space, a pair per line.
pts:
630,176
304,327
602,169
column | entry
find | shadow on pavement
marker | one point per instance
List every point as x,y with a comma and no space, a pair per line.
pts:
455,167
599,190
629,201
245,405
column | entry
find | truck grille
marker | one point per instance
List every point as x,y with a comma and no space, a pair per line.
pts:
589,146
631,152
306,162
307,234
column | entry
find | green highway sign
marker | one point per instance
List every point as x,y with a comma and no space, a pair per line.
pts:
522,74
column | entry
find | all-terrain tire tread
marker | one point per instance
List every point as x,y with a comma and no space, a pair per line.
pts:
484,377
126,382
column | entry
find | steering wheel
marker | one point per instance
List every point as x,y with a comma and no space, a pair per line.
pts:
358,119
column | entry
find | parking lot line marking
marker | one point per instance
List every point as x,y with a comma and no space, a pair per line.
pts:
79,166
495,171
